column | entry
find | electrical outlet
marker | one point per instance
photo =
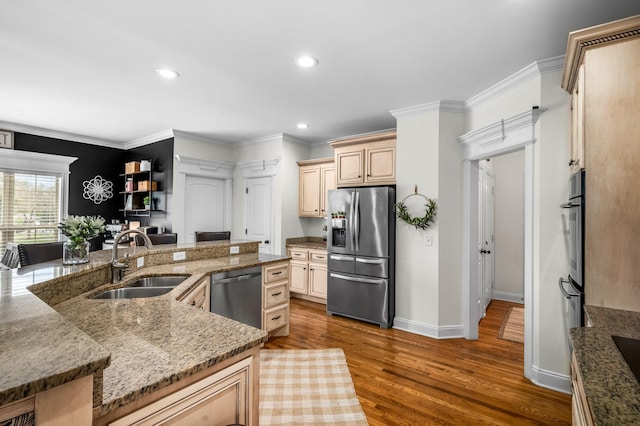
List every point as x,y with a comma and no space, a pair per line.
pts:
234,261
428,240
179,255
234,250
140,262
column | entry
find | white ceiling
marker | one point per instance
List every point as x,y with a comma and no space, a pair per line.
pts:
86,67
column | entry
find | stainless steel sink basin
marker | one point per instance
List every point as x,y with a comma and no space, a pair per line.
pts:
143,287
166,281
133,292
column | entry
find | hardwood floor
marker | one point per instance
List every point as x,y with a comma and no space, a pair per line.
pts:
406,379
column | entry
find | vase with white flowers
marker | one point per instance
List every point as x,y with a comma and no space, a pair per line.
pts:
78,230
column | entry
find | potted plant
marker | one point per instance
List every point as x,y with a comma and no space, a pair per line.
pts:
147,202
78,230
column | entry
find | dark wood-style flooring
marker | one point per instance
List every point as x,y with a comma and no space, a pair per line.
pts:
406,379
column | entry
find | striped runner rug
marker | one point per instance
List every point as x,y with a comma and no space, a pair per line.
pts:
307,387
513,325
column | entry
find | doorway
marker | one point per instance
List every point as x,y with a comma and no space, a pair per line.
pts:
486,240
205,198
259,223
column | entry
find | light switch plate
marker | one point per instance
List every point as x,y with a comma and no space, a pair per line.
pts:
179,255
140,262
234,250
428,240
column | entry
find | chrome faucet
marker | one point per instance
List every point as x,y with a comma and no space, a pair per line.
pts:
118,268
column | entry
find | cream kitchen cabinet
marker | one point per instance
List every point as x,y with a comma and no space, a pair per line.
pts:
580,412
226,396
275,299
576,151
601,73
316,178
369,160
200,296
308,274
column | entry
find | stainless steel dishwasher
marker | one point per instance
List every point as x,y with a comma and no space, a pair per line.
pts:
238,295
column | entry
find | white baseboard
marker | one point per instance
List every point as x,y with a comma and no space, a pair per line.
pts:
444,332
508,297
551,380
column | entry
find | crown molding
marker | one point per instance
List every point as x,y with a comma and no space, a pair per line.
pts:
55,134
258,168
146,140
502,136
532,70
263,139
440,106
193,136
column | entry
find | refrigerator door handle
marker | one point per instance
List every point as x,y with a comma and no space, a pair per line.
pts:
351,209
338,257
371,261
356,221
356,279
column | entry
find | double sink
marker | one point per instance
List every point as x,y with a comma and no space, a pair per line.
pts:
143,287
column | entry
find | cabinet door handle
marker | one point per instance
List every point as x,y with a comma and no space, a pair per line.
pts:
277,294
276,318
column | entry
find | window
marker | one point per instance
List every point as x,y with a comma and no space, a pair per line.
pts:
33,196
30,208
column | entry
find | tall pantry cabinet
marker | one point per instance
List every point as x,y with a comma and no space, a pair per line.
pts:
602,72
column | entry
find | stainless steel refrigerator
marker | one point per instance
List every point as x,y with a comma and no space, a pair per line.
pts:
361,241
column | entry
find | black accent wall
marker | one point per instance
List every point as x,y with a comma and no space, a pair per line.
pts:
92,160
161,156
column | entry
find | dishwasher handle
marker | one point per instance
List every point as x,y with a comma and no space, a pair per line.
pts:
235,279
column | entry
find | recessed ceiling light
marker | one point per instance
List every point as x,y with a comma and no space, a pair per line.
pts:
307,61
168,73
302,126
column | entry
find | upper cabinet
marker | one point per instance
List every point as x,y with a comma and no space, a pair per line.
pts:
368,160
601,73
316,178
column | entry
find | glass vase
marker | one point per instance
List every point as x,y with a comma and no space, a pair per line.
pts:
75,253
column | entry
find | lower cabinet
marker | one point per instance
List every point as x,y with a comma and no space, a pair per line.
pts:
580,412
275,298
200,296
223,398
308,274
67,404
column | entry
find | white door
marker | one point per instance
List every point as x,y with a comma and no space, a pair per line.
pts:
485,240
204,200
259,226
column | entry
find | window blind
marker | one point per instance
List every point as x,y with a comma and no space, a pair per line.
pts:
29,207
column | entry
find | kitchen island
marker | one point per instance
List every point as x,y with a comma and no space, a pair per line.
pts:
605,390
136,350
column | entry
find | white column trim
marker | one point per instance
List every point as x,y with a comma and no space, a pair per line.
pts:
507,135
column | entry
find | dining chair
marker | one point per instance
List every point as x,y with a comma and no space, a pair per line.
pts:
212,236
31,254
9,260
168,238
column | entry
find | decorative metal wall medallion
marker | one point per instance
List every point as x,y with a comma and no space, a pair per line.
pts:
97,189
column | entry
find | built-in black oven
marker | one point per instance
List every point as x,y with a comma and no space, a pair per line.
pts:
573,287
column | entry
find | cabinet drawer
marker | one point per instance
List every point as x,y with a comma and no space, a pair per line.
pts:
318,256
274,294
276,317
276,272
299,254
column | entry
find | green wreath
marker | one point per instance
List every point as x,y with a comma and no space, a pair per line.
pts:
423,222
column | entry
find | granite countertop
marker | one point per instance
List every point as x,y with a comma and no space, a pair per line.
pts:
316,243
612,390
142,344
